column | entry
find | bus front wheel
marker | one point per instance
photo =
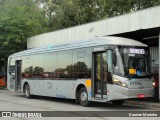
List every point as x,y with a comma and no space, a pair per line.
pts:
27,91
83,97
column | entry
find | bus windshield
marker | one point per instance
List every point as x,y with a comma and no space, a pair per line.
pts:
136,61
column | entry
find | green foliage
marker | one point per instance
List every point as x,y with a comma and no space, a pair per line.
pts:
66,13
118,7
19,20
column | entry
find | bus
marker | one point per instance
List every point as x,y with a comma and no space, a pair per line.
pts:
100,69
2,74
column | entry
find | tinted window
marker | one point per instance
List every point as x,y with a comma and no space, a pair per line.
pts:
82,63
27,68
69,64
12,67
38,65
50,64
64,68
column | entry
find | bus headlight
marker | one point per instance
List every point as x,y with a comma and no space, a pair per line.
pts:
154,84
120,83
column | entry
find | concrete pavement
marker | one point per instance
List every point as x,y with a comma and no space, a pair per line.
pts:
133,102
144,103
11,101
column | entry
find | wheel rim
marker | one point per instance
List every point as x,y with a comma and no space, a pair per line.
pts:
27,91
83,96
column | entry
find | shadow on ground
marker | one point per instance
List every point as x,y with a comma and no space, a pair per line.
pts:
93,104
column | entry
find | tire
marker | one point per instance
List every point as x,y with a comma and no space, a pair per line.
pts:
117,102
27,91
83,97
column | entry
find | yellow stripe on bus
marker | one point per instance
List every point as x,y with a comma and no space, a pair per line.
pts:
88,83
132,71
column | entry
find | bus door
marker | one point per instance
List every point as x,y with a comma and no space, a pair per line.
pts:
18,75
100,75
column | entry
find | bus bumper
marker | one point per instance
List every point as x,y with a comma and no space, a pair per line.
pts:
125,93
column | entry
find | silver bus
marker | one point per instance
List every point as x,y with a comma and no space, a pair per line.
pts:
100,69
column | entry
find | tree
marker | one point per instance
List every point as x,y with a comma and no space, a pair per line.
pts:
19,20
66,13
119,7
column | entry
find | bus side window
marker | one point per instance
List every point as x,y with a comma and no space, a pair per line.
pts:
12,70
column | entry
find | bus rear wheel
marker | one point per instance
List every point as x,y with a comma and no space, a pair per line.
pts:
83,97
27,91
117,102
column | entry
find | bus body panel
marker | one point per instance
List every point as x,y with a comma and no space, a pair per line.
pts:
118,93
52,88
55,88
135,87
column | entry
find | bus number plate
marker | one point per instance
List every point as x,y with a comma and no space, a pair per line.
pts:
135,83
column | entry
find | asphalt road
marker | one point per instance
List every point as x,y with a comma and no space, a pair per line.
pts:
11,101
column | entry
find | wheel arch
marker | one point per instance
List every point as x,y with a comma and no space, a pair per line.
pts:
77,91
25,85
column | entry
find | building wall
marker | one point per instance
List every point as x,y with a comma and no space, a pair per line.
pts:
143,19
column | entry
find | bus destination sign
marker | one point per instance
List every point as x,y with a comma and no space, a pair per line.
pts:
136,51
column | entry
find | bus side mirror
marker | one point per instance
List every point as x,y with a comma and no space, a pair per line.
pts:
114,58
